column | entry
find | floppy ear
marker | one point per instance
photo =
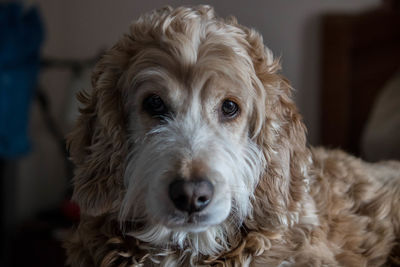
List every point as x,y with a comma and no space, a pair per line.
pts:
98,143
281,136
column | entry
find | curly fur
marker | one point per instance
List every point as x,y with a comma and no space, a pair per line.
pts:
289,205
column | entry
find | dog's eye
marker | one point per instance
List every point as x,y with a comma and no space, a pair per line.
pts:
154,105
229,108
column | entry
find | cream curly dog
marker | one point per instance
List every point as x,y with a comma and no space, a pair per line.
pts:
189,151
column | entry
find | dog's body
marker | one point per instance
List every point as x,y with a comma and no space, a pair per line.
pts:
190,151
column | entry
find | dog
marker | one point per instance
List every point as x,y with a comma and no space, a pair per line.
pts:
190,151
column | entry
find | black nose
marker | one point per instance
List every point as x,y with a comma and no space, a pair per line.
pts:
191,196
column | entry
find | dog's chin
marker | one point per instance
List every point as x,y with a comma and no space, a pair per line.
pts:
189,228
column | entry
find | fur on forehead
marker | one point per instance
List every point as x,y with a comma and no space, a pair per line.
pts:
191,47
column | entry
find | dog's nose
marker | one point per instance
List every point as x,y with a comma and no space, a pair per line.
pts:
191,196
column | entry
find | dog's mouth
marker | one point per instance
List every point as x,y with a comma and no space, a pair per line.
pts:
195,222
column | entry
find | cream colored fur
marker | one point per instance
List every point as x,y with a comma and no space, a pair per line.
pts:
277,202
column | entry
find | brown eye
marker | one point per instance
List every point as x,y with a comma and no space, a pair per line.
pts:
229,108
154,105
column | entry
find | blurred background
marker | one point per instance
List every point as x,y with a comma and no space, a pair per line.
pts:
341,56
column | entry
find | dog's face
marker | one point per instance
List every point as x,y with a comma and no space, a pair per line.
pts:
192,161
188,133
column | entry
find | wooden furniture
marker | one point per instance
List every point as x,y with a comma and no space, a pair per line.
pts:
360,52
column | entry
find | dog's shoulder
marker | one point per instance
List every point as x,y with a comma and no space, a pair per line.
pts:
357,204
338,167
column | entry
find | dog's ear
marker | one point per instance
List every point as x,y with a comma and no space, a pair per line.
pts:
98,142
281,134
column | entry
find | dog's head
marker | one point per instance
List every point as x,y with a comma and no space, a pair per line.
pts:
189,133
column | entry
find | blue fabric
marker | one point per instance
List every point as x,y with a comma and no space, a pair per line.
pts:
21,34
